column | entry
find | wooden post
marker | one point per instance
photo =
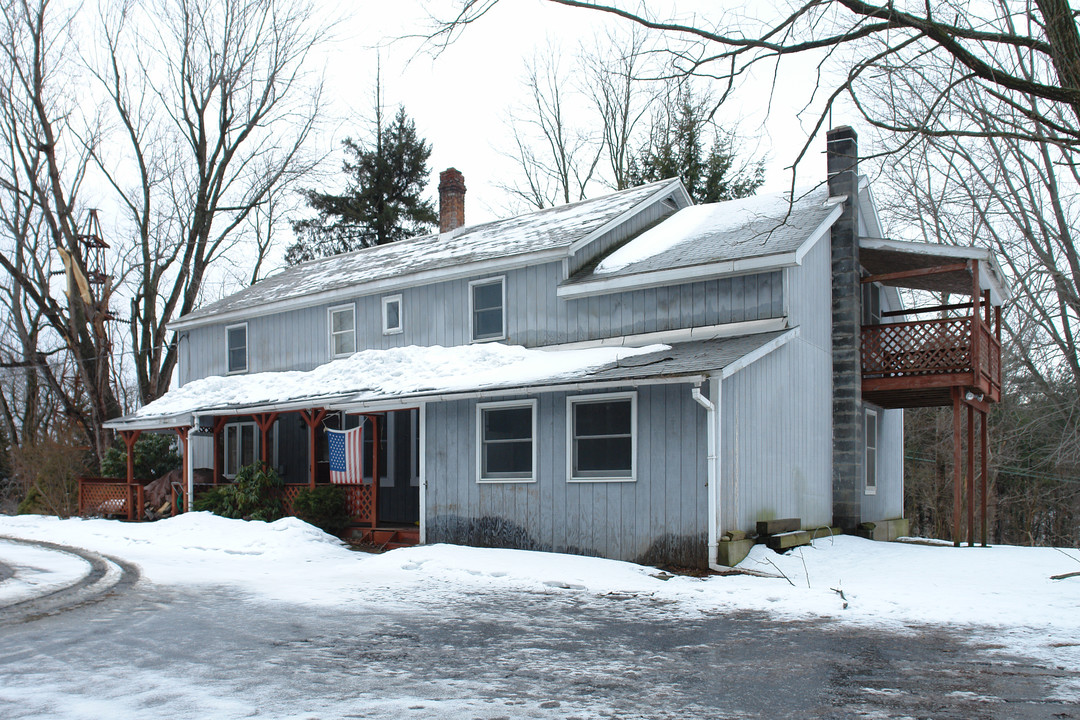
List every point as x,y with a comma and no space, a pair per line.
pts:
971,476
983,463
976,329
219,425
312,417
956,465
374,468
265,421
182,432
130,436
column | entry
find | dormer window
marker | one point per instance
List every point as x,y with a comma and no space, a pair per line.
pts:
391,315
236,348
342,331
487,304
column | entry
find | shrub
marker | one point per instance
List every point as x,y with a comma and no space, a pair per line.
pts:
324,507
155,455
48,472
255,494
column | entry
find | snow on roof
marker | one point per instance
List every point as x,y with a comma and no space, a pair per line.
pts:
756,226
553,228
380,373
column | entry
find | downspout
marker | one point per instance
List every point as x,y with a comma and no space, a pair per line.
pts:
712,430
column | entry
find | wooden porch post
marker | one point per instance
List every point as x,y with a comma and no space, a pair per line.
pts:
374,469
976,295
312,417
265,421
219,425
182,432
971,476
983,462
956,465
130,436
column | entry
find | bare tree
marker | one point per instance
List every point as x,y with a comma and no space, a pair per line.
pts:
866,40
215,106
558,157
64,341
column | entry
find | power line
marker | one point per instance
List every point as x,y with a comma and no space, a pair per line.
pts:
1007,470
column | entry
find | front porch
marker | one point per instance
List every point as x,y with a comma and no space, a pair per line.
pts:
382,502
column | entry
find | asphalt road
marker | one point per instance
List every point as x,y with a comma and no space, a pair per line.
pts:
140,650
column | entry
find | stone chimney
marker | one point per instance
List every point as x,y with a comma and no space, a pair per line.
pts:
451,200
848,444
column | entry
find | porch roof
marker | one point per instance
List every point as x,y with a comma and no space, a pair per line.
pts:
415,374
880,256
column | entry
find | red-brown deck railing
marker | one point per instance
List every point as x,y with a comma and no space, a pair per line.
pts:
923,348
110,496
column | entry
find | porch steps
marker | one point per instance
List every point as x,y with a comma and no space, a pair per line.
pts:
392,538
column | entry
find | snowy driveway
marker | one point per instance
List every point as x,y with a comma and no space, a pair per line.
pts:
250,620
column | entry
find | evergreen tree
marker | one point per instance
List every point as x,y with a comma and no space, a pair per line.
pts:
676,148
382,202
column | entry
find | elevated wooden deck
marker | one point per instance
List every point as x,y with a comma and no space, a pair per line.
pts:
919,363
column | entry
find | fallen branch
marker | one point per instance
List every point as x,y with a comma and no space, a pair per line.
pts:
840,592
1066,575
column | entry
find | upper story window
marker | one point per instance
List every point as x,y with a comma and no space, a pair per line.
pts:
487,309
236,345
342,331
871,451
506,441
602,437
391,315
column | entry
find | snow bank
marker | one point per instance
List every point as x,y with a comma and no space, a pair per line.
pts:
395,371
1002,594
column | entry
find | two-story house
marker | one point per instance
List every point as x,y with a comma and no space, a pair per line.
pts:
632,376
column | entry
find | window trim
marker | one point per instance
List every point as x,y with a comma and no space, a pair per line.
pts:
247,344
571,401
505,405
868,488
387,299
501,279
351,307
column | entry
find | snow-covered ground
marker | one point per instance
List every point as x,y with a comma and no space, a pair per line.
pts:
1002,595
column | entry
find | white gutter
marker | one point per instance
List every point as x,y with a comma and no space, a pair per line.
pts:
190,462
672,337
713,430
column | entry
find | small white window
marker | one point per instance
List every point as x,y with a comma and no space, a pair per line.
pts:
506,441
236,348
602,438
871,451
487,309
391,314
342,331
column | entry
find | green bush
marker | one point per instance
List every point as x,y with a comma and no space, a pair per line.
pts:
324,507
155,454
255,494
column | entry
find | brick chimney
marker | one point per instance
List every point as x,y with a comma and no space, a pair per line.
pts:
451,200
848,443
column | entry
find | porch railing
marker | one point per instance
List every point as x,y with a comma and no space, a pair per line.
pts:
932,347
110,496
359,499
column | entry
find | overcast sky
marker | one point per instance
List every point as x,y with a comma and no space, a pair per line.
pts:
460,98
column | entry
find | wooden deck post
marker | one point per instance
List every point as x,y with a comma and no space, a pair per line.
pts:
130,437
956,465
265,421
312,417
971,476
983,463
182,433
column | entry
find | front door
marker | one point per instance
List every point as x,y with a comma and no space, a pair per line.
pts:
399,466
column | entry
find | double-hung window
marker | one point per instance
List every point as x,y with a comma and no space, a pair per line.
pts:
487,309
391,315
870,461
602,438
236,345
342,331
241,446
506,441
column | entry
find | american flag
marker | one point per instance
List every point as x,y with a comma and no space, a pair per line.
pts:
346,455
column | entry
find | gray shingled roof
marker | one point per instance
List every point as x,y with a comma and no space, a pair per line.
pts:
553,228
753,227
